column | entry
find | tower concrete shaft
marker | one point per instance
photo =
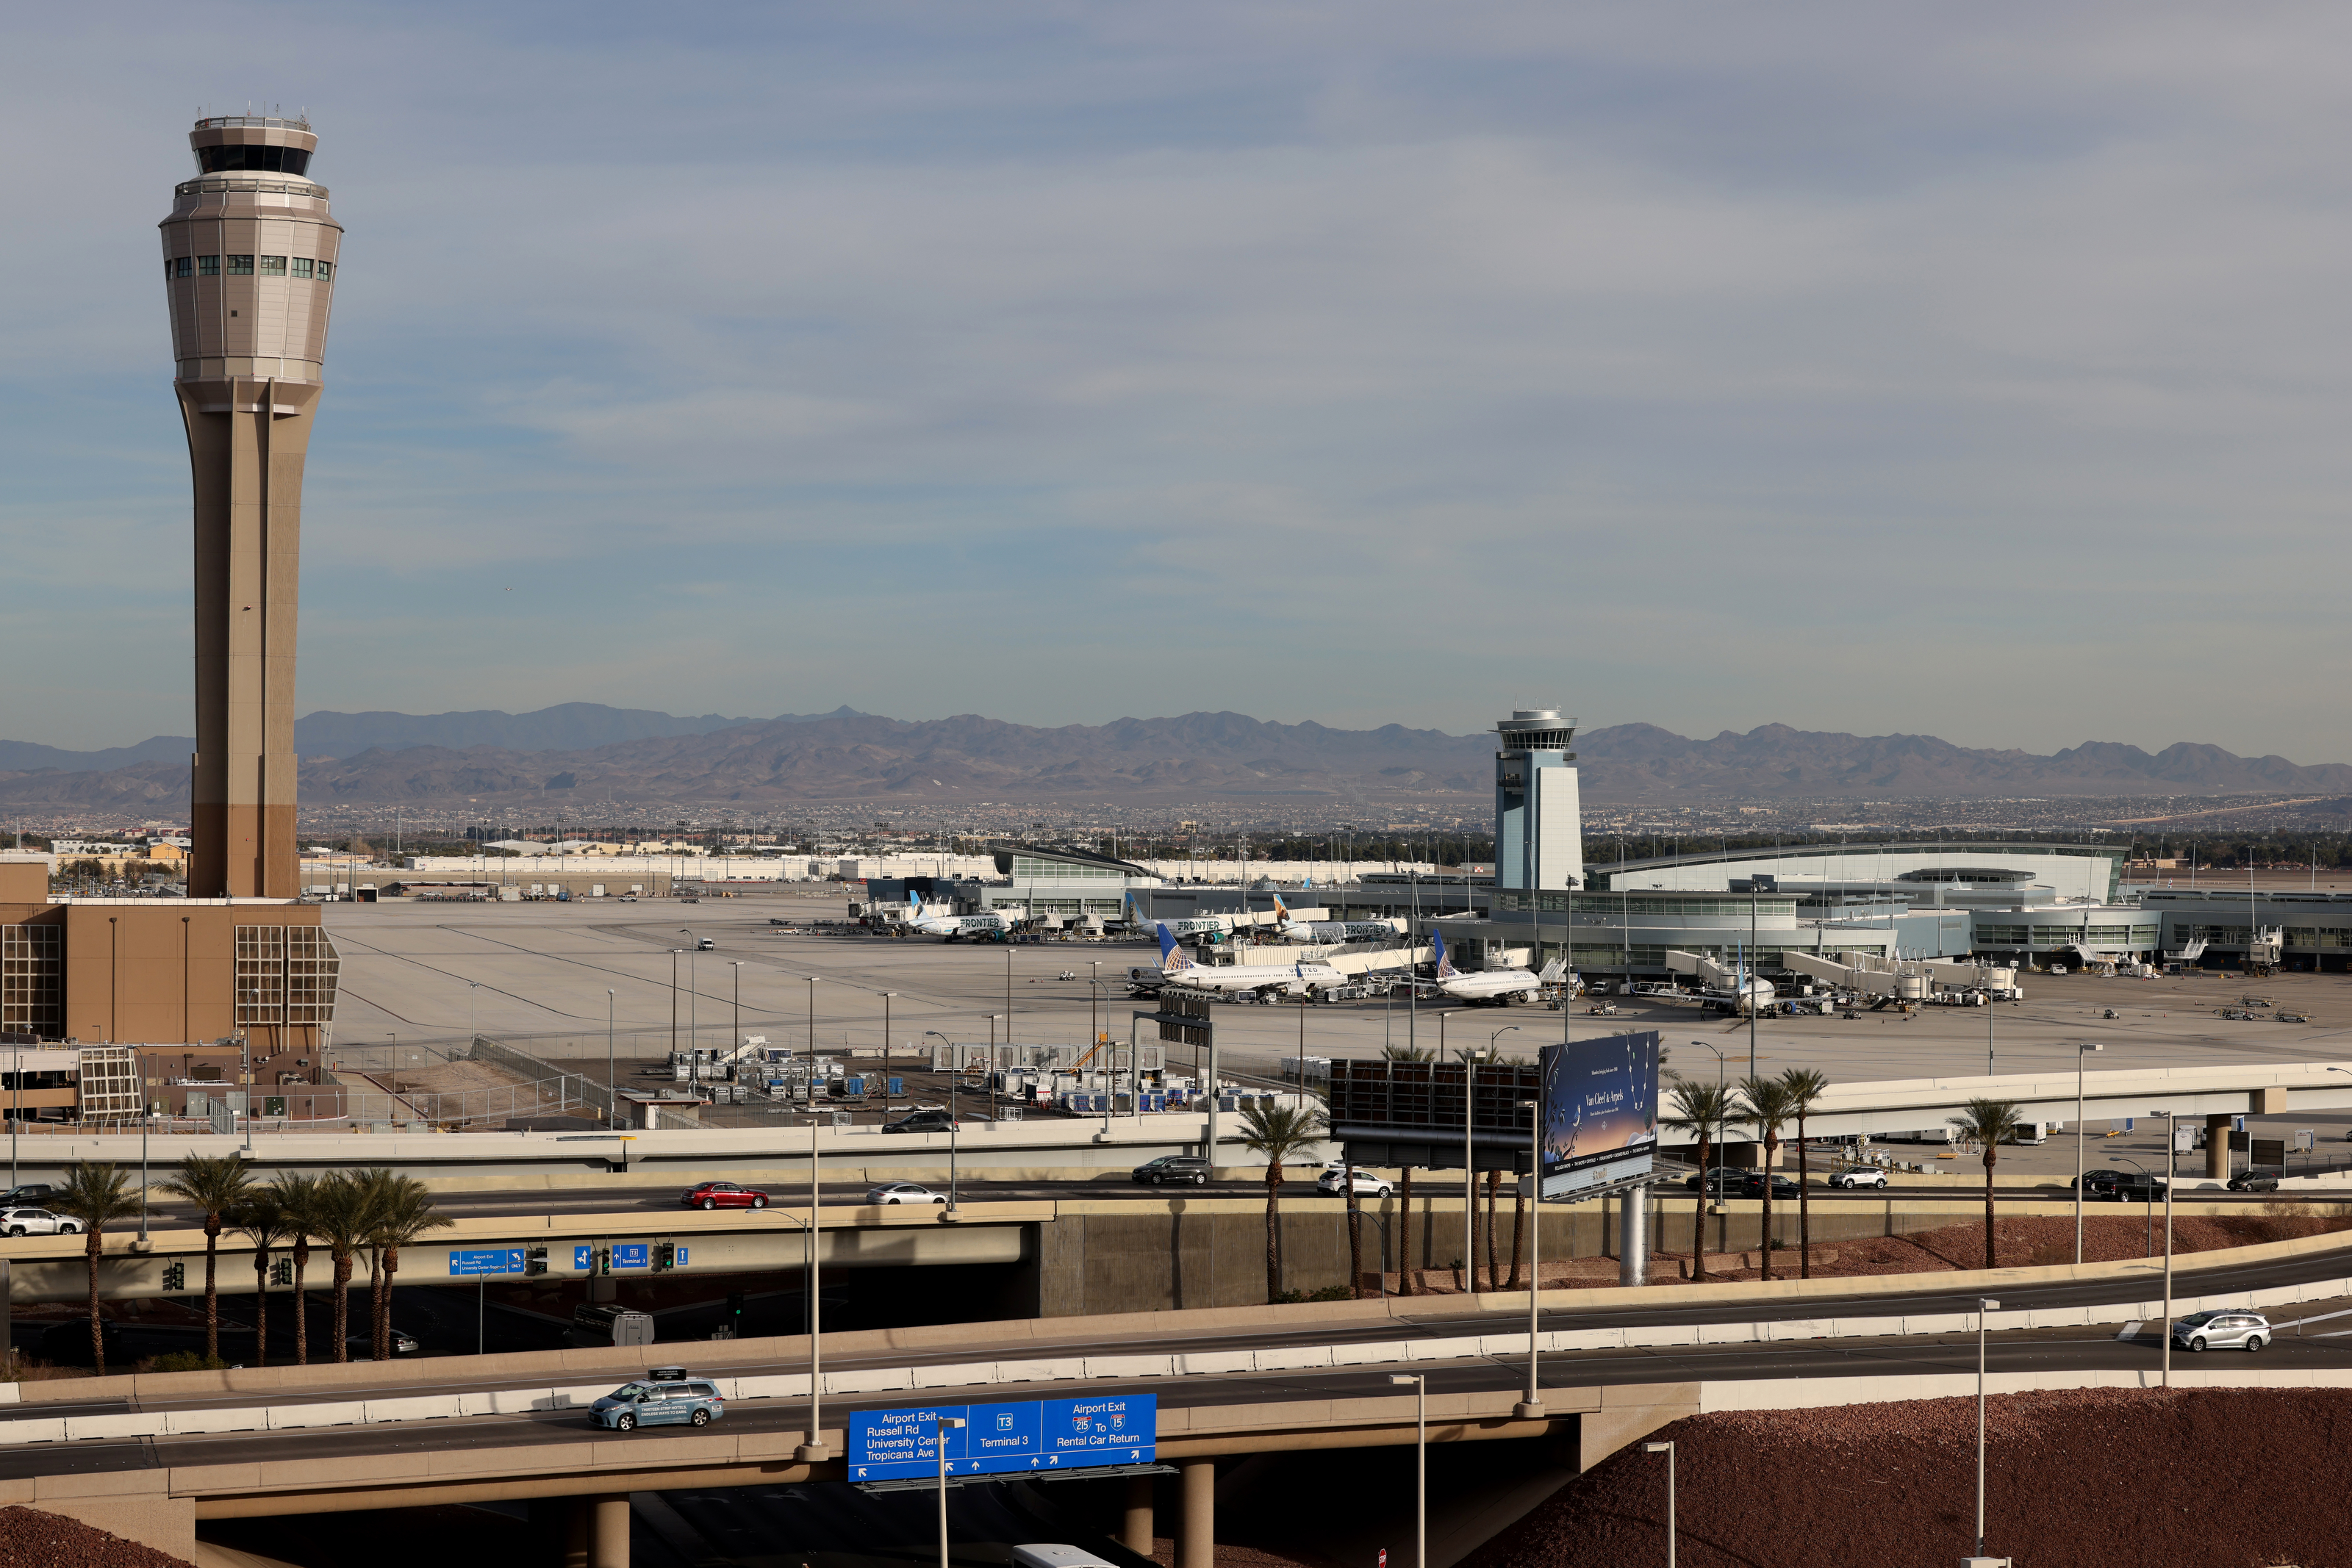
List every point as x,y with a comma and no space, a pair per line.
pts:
250,256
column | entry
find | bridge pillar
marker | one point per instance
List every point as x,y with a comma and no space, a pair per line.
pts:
608,1535
2217,1148
564,1519
1634,1236
1135,1524
1196,1541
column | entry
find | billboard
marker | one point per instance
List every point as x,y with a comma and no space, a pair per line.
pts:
1599,1112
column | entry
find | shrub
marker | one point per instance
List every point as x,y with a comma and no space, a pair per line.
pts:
184,1361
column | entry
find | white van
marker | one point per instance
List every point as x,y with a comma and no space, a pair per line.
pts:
1056,1557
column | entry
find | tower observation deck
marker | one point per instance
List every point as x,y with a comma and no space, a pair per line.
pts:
250,258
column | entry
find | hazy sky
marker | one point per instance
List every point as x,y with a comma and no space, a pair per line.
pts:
1973,370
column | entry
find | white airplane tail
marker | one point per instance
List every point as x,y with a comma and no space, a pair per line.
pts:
1173,960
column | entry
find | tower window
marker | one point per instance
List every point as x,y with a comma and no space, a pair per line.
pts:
180,266
240,266
207,266
301,266
273,266
326,270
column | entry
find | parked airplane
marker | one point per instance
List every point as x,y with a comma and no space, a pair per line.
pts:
1325,932
1496,986
1177,968
992,923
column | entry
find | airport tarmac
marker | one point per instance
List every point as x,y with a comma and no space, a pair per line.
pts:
537,974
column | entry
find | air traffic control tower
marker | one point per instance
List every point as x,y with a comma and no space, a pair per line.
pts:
250,258
1539,823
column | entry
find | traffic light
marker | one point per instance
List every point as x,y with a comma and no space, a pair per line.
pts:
175,1276
534,1260
665,1256
735,1315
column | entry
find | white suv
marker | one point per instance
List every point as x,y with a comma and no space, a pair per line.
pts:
37,1222
1862,1175
1366,1184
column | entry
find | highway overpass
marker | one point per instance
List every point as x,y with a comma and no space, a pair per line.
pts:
147,1457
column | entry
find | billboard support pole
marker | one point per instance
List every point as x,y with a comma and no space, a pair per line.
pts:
1634,1235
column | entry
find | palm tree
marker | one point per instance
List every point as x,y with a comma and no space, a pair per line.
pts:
1277,1134
1764,1102
1356,1236
403,1211
1494,1191
261,1220
1991,1122
1407,1053
1805,1085
1697,1109
1404,1232
215,1183
97,1195
1518,1227
339,1218
296,1198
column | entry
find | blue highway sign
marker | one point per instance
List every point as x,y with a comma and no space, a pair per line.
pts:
902,1442
632,1254
487,1261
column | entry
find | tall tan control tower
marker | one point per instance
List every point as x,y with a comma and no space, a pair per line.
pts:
250,258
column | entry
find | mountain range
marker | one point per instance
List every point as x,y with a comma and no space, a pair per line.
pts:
583,753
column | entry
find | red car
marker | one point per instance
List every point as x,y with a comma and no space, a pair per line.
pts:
723,1194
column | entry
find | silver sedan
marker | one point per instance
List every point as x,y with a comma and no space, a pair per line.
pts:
903,1192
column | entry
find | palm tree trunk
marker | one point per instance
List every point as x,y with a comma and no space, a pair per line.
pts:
1764,1242
343,1306
260,1305
1519,1230
1355,1238
301,1303
1804,1207
384,1314
1698,1216
212,1288
1273,1235
1405,1236
97,1337
1493,1192
1988,1158
375,1300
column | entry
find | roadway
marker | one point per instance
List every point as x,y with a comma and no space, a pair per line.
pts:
2327,1344
540,1202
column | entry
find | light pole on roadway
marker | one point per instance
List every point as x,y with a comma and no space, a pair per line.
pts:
1420,1462
1667,1449
1531,1408
1983,1306
947,1424
2082,1052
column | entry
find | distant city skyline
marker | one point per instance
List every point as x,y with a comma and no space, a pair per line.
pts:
1968,374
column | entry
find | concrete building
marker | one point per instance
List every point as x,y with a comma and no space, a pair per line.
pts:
249,260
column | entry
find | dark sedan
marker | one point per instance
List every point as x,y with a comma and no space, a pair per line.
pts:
1731,1181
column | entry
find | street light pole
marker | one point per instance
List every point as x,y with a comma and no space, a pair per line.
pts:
1983,1306
1531,1408
886,1047
2165,1329
813,1450
1667,1449
2081,1051
1420,1461
672,1004
1470,1167
947,1424
612,1078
